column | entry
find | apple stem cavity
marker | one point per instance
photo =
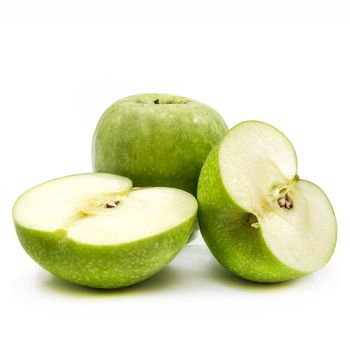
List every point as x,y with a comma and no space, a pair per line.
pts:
112,204
285,202
156,102
253,221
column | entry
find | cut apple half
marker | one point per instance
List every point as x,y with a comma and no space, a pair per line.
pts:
97,230
259,219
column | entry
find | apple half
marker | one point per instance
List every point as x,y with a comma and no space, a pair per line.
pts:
97,230
259,219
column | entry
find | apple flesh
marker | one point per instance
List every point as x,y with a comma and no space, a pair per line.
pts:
259,219
156,140
97,230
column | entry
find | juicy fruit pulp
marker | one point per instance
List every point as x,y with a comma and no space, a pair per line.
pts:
156,140
97,230
258,218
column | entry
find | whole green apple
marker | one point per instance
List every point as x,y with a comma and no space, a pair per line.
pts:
97,230
259,219
156,140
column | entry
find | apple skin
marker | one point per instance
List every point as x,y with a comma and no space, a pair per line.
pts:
238,246
103,266
156,144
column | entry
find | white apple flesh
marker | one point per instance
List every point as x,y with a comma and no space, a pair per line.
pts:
96,230
258,218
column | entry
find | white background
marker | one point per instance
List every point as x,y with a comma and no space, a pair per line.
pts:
62,65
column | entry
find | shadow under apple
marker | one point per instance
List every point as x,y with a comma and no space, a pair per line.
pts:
165,279
220,275
194,269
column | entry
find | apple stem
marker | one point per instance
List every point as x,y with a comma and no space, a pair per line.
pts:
156,102
285,202
112,204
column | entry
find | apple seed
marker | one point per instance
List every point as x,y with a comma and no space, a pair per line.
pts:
285,202
112,204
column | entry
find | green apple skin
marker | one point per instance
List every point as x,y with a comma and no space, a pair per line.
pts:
157,144
225,227
103,266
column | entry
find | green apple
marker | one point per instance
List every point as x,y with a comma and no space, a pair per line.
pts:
97,230
259,219
156,140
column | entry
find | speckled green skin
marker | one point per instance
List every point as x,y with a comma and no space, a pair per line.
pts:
237,245
161,144
103,266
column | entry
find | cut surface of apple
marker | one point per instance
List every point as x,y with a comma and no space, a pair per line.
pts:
259,219
97,230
